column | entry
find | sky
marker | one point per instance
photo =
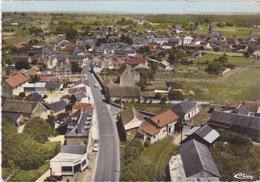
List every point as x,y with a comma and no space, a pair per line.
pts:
135,6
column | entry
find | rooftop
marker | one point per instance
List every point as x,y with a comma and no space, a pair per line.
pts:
17,80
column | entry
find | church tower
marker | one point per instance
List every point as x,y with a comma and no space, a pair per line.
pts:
210,29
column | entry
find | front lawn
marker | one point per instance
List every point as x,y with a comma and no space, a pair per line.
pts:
150,165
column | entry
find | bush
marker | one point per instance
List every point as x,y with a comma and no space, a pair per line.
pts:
31,175
6,172
234,138
39,129
177,95
22,65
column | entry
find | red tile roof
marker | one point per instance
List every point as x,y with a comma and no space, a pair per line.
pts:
165,118
148,128
85,106
121,69
17,80
135,61
77,89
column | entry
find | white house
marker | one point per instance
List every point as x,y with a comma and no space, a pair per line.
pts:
187,40
158,127
71,159
186,110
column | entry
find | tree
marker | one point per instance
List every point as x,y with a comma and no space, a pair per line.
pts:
8,72
175,95
75,68
215,67
22,65
34,62
154,67
38,129
158,96
8,61
43,66
71,33
19,150
34,78
127,39
100,41
172,59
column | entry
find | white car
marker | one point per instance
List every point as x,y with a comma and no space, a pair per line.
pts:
95,85
95,146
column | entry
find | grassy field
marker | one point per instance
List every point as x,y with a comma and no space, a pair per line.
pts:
152,163
237,61
155,159
244,85
185,75
241,32
156,108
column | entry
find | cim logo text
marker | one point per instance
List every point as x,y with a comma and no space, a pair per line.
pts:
243,176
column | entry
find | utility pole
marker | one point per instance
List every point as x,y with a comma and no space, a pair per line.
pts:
181,128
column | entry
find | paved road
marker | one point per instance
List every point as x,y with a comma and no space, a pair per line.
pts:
108,158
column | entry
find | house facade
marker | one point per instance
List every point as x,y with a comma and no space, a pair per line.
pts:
71,159
158,127
186,110
127,76
128,121
14,85
28,109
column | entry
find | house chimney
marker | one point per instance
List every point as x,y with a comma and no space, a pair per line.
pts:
158,121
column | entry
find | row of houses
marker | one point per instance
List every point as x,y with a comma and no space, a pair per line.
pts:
73,155
131,123
75,125
194,162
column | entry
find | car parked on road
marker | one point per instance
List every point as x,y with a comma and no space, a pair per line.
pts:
95,145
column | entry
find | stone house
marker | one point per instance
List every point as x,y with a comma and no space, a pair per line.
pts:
28,109
14,85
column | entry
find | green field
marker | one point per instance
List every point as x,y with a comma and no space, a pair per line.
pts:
152,163
244,85
237,61
241,32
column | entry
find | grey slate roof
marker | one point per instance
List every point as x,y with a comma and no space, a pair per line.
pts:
15,58
13,116
79,129
184,107
81,81
197,159
73,149
53,85
231,119
35,96
124,51
241,109
79,95
207,133
57,106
